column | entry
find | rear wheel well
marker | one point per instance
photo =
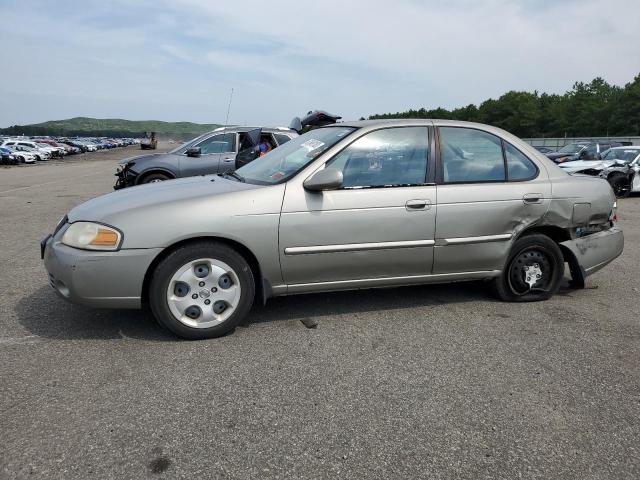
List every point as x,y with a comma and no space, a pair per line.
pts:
556,234
144,175
237,246
559,235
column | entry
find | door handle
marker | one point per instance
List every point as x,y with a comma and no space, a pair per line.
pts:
532,198
418,205
228,159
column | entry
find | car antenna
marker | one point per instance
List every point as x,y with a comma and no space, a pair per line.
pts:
226,121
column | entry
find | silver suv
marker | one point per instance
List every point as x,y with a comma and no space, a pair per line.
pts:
213,152
348,206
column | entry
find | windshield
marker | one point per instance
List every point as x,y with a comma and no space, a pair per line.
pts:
624,154
572,148
284,162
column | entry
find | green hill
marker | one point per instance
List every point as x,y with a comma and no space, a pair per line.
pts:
111,127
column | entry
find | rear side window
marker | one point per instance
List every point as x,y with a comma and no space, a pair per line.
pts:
470,155
519,167
281,138
473,156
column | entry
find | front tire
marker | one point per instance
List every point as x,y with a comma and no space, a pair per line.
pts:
533,271
202,290
155,178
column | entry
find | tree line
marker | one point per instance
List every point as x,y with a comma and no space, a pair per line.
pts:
594,109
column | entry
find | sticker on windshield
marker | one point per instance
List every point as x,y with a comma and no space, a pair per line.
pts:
312,144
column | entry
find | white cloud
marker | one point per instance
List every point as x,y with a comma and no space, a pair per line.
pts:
354,58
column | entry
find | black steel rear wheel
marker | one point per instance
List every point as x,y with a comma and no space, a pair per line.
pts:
533,271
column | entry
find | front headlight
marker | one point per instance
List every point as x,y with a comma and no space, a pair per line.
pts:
92,236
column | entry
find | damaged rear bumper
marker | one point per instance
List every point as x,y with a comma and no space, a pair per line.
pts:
587,255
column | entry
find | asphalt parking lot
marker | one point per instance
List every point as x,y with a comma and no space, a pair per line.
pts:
429,382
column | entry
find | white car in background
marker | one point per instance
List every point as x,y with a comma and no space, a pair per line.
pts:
32,147
54,151
620,166
90,146
22,154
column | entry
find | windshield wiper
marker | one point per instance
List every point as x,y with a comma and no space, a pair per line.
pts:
233,174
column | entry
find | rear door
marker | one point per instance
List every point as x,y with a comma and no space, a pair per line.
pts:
488,191
211,151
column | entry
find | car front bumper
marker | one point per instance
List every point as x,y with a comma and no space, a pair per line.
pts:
126,178
95,278
593,252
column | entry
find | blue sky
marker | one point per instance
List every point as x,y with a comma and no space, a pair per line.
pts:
178,60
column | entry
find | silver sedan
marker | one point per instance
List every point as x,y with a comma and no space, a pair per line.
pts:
348,206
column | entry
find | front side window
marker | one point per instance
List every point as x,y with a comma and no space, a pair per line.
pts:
470,155
282,163
222,143
389,157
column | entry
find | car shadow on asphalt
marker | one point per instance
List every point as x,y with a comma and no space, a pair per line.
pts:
302,306
46,315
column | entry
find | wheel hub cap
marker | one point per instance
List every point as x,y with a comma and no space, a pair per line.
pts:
530,269
203,293
532,274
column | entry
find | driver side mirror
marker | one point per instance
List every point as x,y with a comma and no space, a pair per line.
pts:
194,152
326,179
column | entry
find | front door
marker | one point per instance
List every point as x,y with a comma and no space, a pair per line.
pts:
488,191
211,151
380,224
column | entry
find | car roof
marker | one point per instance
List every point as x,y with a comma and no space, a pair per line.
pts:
413,122
244,128
628,147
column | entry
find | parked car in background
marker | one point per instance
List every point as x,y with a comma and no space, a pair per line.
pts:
41,153
22,154
544,150
347,206
56,152
618,165
581,151
75,144
7,157
66,149
213,152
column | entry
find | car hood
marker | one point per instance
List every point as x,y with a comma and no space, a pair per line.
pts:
154,196
579,165
141,160
555,155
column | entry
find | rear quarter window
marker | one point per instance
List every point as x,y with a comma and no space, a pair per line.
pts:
519,167
280,138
